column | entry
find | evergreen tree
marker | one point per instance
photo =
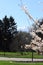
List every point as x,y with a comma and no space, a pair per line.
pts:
8,31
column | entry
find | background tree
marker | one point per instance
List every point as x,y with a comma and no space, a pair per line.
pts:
8,30
20,40
23,38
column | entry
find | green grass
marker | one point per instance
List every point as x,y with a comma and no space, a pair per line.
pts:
19,63
20,54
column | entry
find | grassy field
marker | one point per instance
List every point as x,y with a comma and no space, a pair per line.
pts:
20,54
18,63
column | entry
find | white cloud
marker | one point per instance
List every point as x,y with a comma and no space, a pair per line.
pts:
22,28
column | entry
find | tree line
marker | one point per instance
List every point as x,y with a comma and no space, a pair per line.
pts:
10,38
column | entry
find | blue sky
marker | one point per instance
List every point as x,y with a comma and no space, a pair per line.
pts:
11,8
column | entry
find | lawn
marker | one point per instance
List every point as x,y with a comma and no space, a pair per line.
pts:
19,63
20,54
